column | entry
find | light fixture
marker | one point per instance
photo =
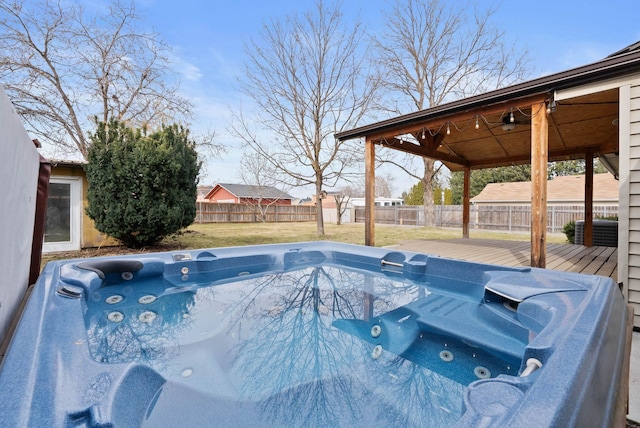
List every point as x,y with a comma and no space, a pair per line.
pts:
508,122
551,107
477,124
448,130
423,134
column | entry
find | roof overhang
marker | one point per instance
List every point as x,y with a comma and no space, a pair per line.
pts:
469,132
60,163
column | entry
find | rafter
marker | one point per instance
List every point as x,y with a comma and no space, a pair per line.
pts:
426,151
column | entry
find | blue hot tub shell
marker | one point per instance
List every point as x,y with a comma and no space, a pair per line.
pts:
566,331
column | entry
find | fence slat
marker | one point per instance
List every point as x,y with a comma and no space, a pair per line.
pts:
493,217
209,212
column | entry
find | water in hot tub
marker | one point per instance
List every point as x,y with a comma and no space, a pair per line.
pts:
321,345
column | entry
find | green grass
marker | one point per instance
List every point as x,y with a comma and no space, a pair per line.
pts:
225,234
238,234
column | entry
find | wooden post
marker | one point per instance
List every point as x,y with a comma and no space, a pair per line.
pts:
369,193
539,159
588,199
465,202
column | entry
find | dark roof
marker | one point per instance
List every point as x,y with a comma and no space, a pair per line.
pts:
618,64
255,191
632,47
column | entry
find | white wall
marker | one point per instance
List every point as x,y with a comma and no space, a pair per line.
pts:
18,189
330,215
629,239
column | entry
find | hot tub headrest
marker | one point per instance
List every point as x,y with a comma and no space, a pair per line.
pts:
105,267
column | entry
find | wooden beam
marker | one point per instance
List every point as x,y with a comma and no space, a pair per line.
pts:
424,151
564,154
539,159
462,116
588,198
465,202
369,193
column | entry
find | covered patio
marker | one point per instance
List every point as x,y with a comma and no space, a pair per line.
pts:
556,117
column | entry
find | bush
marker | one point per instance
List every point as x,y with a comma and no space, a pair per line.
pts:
569,229
141,187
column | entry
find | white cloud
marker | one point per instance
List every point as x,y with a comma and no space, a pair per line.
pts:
185,69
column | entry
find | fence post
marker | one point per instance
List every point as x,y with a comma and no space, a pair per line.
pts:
510,214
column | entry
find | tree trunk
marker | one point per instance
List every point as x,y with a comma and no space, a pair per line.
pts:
427,196
319,218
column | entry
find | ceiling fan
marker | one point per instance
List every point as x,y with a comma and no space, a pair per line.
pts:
510,120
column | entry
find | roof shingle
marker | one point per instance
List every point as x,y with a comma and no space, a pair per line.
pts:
255,191
568,188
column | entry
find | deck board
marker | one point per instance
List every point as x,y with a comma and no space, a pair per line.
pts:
563,257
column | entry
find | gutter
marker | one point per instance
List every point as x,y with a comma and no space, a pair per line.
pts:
601,70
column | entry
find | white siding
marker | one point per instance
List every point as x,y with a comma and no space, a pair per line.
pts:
19,175
630,158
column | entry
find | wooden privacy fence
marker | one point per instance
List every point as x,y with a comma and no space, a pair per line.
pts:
490,217
209,212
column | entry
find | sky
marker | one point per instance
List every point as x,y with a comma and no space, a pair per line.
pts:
207,39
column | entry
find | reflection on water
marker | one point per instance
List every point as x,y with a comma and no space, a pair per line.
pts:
275,343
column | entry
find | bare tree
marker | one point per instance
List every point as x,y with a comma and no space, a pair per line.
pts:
342,199
384,186
308,77
436,51
354,190
64,67
257,172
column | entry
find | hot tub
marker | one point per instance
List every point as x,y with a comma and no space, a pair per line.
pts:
312,334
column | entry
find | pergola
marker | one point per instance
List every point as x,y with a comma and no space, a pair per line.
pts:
552,118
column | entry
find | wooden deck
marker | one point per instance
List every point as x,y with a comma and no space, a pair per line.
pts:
564,257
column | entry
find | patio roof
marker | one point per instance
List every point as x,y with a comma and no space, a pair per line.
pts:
469,132
567,115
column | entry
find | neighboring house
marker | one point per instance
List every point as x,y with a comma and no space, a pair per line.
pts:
67,226
565,190
328,200
226,193
379,202
301,201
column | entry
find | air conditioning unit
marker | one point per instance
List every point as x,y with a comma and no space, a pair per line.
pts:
605,233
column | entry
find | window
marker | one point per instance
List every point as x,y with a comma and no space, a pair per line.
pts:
63,218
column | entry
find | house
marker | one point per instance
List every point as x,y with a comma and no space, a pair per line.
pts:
227,193
328,200
563,190
67,226
379,202
582,113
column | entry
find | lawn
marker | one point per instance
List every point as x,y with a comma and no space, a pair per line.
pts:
235,234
